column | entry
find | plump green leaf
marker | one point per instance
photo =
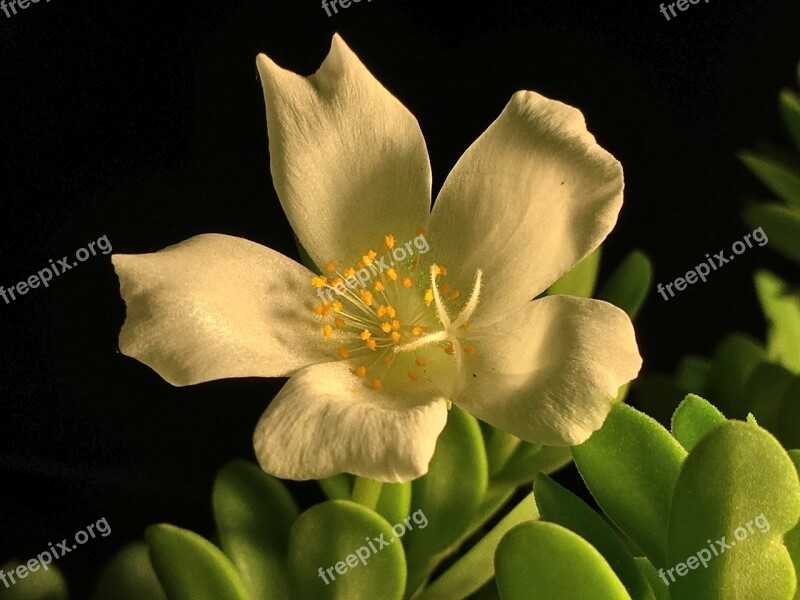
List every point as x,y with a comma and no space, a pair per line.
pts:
693,419
735,358
581,279
782,310
629,284
736,496
338,487
544,561
781,225
631,465
449,495
394,503
254,512
792,539
190,567
476,567
41,584
344,534
500,446
790,111
529,460
560,506
660,590
782,179
129,575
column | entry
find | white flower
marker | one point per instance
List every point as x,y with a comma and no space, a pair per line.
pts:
371,372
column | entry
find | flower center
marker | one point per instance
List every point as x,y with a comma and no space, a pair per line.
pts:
390,317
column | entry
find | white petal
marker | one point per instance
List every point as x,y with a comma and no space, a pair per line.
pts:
348,160
548,373
217,306
325,421
530,198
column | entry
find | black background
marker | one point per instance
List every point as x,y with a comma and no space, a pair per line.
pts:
144,121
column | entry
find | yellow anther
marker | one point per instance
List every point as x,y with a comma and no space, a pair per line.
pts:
319,308
437,270
407,283
367,260
376,383
340,322
449,349
386,361
388,241
420,362
395,325
444,288
360,264
416,330
323,309
349,272
469,349
372,344
381,310
387,327
391,311
366,296
379,287
372,254
391,273
413,375
428,297
327,330
396,337
444,270
455,294
336,281
330,266
366,334
319,282
360,372
465,325
337,306
421,231
343,352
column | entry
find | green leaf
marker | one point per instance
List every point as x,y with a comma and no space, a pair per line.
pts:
529,460
782,310
764,394
476,567
344,534
782,179
738,476
660,590
734,360
629,284
562,507
338,487
500,446
792,539
449,495
790,111
693,419
581,279
40,584
129,575
190,567
394,505
780,224
545,561
254,512
630,465
693,374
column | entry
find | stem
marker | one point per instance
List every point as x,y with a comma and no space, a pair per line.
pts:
367,492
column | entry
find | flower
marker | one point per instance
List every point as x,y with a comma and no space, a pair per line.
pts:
371,373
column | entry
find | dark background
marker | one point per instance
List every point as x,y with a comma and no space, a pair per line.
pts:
144,121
